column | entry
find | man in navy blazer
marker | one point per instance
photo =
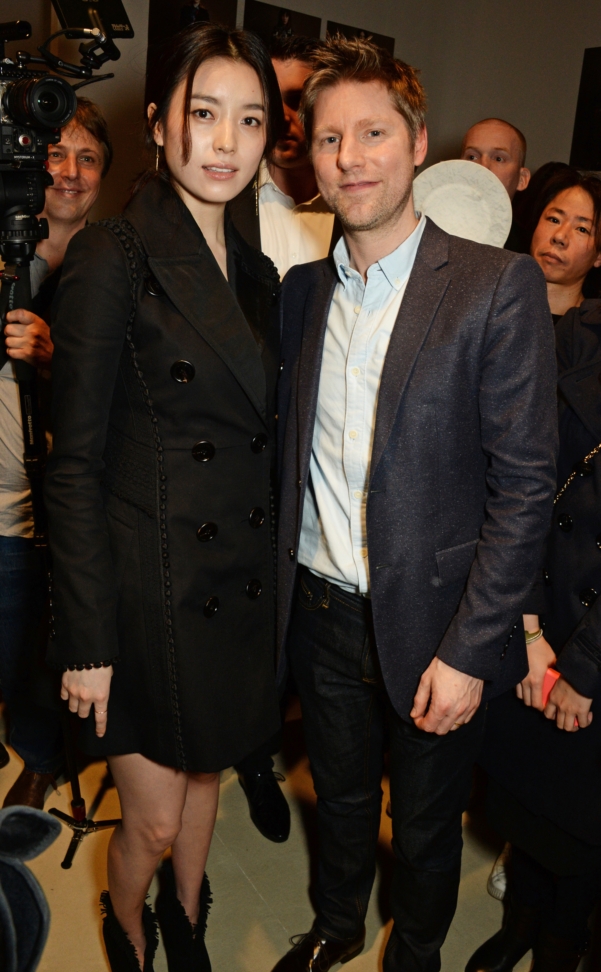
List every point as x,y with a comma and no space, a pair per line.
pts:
417,427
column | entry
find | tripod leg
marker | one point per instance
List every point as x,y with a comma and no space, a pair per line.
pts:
78,836
78,805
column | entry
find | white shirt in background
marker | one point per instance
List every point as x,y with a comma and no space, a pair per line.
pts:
292,234
333,540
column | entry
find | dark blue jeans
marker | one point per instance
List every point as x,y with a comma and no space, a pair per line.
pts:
346,714
35,729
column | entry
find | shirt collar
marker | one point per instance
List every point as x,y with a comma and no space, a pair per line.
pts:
396,267
266,182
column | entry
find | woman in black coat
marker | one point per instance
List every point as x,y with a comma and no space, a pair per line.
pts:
544,792
159,487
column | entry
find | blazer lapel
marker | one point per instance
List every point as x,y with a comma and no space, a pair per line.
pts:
426,287
309,369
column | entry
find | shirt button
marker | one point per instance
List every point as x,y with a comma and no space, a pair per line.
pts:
397,282
353,434
358,494
355,371
357,309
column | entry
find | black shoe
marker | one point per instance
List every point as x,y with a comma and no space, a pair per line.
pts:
184,942
269,810
119,949
4,756
505,949
314,953
553,954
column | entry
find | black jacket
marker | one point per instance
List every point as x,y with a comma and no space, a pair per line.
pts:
159,485
551,772
463,459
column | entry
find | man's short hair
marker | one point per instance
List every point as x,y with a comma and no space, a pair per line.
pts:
501,121
295,48
351,59
89,116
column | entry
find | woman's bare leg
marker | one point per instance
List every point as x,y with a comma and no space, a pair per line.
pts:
152,800
191,846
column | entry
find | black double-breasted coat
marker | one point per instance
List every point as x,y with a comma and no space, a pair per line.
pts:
159,488
552,773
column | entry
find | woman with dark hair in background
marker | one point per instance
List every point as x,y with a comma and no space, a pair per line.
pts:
159,488
544,793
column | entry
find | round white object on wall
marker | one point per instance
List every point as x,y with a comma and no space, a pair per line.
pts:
464,199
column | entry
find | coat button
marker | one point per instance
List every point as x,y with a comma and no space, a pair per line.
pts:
583,468
546,578
588,597
203,451
206,532
254,589
282,363
153,287
291,553
256,517
211,607
565,522
598,540
183,371
259,443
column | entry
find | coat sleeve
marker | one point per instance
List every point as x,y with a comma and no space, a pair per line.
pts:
89,322
518,421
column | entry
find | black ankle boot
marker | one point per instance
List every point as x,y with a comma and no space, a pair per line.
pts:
184,942
553,954
505,949
121,953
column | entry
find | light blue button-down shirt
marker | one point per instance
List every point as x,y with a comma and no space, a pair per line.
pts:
333,541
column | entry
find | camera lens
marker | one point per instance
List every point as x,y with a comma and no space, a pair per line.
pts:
45,103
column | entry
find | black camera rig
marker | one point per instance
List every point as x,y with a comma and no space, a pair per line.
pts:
34,105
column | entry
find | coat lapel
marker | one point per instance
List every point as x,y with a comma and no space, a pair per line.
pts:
202,295
426,287
183,264
580,388
309,369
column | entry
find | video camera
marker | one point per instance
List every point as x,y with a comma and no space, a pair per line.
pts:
36,101
35,105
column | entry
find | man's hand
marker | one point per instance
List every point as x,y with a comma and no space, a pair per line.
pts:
540,657
570,710
453,696
90,687
28,338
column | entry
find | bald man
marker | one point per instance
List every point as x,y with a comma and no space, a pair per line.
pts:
500,147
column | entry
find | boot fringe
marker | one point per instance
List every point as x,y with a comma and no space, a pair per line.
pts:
119,938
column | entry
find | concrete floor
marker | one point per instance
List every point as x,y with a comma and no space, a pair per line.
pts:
259,888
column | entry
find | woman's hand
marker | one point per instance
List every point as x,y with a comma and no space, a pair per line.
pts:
540,657
570,710
90,687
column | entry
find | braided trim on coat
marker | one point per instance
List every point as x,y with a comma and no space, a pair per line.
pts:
136,261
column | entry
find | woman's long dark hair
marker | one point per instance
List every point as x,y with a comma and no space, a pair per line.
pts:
179,61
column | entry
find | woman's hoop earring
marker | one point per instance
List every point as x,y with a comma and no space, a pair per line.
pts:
156,164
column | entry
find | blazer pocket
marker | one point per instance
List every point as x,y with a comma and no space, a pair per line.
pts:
454,563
